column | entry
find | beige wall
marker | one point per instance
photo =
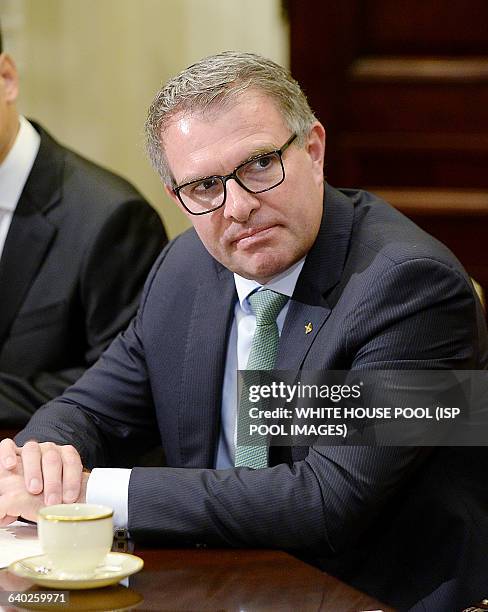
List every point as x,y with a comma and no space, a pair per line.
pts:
89,68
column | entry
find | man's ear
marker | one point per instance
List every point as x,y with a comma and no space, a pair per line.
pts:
315,147
9,78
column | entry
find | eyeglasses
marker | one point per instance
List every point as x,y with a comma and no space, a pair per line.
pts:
261,173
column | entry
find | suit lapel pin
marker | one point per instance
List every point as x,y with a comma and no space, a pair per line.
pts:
308,327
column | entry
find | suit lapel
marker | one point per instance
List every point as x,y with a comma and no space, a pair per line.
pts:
313,298
203,369
30,233
312,302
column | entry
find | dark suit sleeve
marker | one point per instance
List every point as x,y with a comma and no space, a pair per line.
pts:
114,267
109,414
320,504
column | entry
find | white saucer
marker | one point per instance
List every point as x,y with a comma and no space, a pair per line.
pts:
115,567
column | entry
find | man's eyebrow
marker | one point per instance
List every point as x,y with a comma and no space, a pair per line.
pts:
193,179
261,150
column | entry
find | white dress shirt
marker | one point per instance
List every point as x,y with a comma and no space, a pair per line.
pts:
14,171
110,486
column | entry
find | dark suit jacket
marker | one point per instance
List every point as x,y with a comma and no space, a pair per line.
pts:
380,294
78,251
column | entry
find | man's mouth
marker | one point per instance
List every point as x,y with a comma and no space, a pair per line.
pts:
252,235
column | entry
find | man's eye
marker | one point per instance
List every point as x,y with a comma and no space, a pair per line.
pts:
263,162
205,185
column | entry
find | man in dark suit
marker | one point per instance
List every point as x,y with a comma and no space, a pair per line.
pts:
76,243
358,287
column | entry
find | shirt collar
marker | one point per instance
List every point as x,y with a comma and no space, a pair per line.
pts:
282,283
16,167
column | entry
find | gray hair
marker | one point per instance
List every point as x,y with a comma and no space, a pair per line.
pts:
217,81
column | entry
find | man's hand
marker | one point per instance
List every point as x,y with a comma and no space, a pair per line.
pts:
56,471
15,500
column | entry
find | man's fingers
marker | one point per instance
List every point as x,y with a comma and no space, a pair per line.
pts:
52,470
72,472
8,454
6,520
47,468
32,466
17,502
61,469
44,474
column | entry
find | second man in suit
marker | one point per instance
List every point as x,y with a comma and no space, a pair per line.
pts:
76,243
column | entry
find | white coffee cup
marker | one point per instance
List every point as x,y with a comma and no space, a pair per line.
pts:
75,537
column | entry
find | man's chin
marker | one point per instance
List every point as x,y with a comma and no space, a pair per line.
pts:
260,269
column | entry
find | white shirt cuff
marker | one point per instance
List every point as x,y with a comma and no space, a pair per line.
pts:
110,487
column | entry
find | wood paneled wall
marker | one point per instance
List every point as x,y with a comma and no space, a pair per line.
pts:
402,88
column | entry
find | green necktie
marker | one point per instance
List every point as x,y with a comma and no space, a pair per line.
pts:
266,305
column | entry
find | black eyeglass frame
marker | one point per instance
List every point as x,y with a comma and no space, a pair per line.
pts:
233,175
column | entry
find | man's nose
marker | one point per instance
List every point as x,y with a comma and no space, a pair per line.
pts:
239,203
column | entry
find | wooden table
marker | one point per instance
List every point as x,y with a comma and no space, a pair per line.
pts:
204,579
241,580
